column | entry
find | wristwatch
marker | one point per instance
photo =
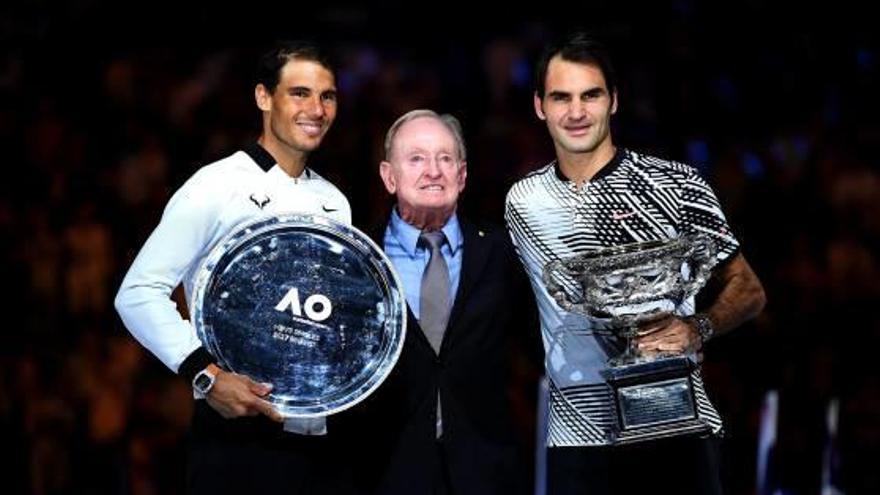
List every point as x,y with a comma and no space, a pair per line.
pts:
704,325
204,380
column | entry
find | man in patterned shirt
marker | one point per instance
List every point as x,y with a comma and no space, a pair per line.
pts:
597,195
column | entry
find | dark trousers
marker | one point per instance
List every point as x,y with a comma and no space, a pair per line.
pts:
442,484
255,456
683,465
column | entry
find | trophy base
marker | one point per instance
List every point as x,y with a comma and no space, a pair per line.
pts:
655,400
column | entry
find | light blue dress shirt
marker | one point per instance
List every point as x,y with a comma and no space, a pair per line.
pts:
410,259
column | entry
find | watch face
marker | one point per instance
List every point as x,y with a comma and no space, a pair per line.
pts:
704,325
203,381
305,303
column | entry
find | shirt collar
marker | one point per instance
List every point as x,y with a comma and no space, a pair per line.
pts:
603,172
266,161
408,236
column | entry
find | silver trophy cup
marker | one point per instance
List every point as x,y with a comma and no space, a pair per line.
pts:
629,285
305,303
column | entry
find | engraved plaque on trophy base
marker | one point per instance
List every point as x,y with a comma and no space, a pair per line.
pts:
655,399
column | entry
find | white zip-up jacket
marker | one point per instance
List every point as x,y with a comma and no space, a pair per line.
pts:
215,200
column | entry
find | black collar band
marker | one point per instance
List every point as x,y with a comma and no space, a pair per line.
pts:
265,159
259,155
603,172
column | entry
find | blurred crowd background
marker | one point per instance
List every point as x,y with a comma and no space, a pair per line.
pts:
106,109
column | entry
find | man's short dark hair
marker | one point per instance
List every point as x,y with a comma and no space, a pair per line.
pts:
581,48
272,61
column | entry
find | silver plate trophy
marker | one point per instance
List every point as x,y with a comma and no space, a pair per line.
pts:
632,284
305,303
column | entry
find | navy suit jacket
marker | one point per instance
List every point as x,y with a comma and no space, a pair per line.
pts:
398,452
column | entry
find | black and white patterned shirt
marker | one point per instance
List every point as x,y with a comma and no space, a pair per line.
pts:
633,198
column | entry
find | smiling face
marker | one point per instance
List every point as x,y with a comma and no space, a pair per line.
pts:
576,106
298,113
424,170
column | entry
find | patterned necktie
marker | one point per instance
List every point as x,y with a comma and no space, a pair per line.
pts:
434,296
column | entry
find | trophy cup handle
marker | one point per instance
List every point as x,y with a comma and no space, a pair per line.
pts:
556,290
700,260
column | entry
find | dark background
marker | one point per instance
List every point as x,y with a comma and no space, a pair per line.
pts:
106,109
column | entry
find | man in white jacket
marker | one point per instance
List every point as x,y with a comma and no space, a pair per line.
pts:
236,442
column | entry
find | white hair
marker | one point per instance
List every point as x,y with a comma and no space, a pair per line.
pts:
446,119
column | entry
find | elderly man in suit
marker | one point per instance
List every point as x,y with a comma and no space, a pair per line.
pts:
443,415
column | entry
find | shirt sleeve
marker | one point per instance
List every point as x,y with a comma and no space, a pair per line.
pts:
144,299
511,222
701,214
